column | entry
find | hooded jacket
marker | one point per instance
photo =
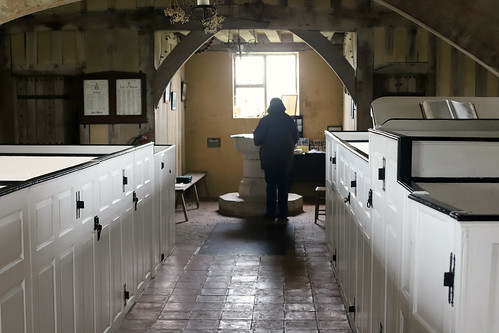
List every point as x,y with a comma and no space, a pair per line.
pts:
277,135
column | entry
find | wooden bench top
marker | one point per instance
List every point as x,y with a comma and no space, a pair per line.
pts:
196,176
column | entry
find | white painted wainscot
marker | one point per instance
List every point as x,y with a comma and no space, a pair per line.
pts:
82,231
412,219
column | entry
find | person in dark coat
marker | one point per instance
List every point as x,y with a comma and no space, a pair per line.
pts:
277,135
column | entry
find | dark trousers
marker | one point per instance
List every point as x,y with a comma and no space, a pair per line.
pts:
277,191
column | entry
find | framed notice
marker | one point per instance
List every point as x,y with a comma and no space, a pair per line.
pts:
113,97
128,95
96,97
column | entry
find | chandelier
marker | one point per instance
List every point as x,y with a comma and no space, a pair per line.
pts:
204,11
240,46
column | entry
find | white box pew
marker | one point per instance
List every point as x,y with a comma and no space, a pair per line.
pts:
414,242
78,234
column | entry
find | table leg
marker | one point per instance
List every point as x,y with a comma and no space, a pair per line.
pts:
197,196
183,206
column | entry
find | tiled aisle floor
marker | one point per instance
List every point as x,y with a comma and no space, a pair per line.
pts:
241,293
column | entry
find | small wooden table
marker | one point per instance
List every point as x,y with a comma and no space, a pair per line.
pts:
180,189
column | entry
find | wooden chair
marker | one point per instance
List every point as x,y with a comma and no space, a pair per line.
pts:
320,199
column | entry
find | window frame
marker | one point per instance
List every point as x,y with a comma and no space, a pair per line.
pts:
264,85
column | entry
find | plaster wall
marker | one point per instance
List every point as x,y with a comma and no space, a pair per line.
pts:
208,114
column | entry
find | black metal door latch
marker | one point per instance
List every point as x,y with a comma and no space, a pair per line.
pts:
370,199
97,227
135,199
126,294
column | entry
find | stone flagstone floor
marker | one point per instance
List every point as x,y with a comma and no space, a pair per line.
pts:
195,292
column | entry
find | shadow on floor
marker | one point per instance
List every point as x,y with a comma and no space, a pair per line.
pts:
253,236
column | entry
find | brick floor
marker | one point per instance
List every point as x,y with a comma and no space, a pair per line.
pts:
195,292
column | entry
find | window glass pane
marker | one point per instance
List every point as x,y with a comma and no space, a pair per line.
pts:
249,70
249,103
281,75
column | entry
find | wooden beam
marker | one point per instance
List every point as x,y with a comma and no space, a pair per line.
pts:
13,10
333,56
273,17
273,36
247,35
223,36
328,34
364,79
472,37
176,59
297,39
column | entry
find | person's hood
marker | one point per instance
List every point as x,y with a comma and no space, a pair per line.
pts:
276,106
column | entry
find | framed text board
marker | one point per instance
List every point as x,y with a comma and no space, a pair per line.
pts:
113,97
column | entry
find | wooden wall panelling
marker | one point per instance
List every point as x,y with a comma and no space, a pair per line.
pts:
44,110
68,47
469,81
492,85
481,81
350,4
145,54
400,44
379,46
43,47
31,49
422,43
40,112
160,3
126,50
49,106
455,73
80,49
56,37
97,5
145,3
18,49
21,120
443,65
389,42
31,119
45,114
412,45
96,51
125,4
61,124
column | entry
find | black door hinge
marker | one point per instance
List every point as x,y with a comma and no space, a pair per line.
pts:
332,159
353,183
449,278
97,226
382,174
80,204
125,179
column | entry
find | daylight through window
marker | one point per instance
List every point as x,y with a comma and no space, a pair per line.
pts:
260,77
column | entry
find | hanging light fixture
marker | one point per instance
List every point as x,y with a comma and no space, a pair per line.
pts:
203,11
239,46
